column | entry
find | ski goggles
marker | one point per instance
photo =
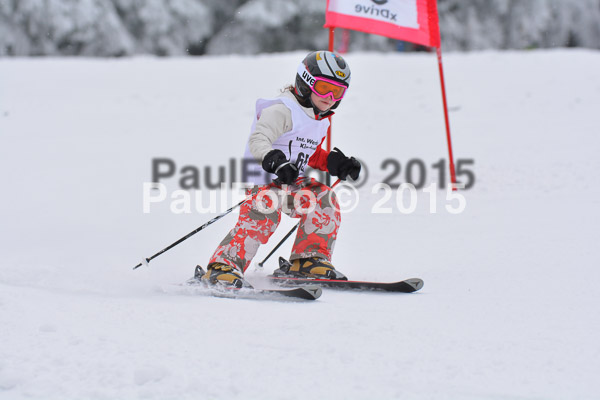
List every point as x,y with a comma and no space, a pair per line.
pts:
322,87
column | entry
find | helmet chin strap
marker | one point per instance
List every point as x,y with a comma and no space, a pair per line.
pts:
316,109
325,113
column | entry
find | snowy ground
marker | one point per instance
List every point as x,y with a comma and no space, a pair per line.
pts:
510,304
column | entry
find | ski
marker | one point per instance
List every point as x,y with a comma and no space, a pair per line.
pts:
197,286
301,293
282,276
405,286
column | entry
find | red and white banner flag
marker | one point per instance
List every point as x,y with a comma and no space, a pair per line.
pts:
413,21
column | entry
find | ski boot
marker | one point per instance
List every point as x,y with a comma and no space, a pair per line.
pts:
221,274
312,267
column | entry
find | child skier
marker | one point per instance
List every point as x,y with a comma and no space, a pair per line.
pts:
286,135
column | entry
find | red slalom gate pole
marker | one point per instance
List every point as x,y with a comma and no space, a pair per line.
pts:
331,40
447,120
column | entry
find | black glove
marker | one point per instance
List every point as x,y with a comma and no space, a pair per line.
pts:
341,166
276,163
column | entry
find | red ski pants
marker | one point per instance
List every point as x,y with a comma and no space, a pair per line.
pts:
312,202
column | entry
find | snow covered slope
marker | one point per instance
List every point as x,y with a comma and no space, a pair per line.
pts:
509,307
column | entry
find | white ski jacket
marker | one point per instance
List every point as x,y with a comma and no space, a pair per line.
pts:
282,123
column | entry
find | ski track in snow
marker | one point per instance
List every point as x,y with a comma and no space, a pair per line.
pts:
509,306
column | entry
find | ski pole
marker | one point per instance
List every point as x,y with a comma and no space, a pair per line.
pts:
261,264
145,261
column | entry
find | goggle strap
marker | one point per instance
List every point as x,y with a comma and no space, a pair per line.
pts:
305,75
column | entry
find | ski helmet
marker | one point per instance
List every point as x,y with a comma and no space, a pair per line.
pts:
322,64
